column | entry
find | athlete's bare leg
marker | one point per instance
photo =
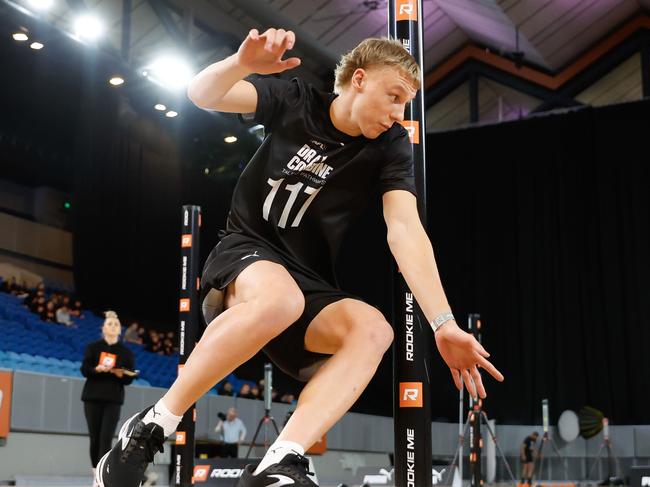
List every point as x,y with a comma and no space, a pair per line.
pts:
261,303
358,336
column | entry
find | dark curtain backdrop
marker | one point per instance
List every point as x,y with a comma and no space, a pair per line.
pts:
543,227
127,208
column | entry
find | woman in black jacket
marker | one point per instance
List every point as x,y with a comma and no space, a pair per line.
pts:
103,394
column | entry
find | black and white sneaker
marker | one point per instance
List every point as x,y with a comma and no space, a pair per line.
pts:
125,463
292,469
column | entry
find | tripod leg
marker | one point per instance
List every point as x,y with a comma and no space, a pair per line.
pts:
562,459
452,465
257,432
275,426
541,458
494,438
616,462
600,450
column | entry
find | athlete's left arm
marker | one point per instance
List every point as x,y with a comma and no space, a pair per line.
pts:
411,247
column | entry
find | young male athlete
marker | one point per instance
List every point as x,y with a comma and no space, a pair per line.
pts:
323,158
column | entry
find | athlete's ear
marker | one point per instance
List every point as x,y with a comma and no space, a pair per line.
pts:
359,79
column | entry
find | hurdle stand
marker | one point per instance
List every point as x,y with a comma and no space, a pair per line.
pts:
188,313
413,334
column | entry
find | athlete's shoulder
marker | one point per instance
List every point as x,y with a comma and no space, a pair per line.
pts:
287,90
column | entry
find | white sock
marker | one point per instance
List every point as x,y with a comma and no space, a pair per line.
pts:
160,415
277,452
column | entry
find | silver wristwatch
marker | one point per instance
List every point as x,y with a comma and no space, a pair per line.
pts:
440,320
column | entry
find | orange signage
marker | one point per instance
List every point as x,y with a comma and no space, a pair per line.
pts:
319,448
413,128
201,473
180,437
107,359
186,241
185,304
410,394
406,9
5,402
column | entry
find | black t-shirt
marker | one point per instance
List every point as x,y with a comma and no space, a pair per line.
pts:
529,443
104,386
308,181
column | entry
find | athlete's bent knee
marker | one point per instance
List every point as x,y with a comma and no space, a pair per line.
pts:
376,336
279,311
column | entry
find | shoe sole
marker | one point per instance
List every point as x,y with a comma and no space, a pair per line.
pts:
100,465
99,481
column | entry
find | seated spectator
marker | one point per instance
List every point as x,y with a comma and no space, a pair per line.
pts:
12,287
63,317
142,334
50,312
288,399
20,291
226,389
168,346
33,302
75,310
245,391
131,334
6,285
255,393
38,306
155,344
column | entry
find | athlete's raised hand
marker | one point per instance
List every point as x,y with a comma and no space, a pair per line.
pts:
463,354
262,53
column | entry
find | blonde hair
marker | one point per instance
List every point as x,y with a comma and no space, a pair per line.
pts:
111,316
376,52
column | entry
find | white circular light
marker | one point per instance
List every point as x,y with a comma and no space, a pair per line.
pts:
568,426
206,171
230,139
171,114
171,72
20,37
41,4
116,81
160,107
88,27
36,46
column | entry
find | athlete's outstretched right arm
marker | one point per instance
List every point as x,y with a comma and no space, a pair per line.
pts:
221,86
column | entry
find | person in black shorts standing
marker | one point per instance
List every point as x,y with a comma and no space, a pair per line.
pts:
323,157
103,393
527,453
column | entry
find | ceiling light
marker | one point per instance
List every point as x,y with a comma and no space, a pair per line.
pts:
20,37
88,27
116,81
230,139
160,107
170,72
171,114
41,4
36,46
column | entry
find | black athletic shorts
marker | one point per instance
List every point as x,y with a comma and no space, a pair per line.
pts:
528,454
231,256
